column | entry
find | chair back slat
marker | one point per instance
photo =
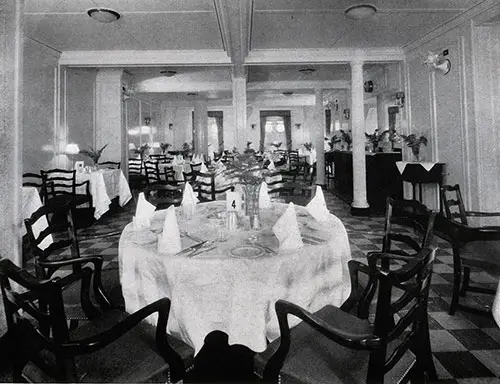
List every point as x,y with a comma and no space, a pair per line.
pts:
152,172
451,199
110,164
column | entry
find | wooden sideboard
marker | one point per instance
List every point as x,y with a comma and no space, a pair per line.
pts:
382,177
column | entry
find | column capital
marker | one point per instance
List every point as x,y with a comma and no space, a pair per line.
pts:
356,63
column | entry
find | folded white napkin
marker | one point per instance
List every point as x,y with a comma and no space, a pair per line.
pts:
264,199
169,240
271,165
287,230
496,306
317,206
143,212
189,201
203,168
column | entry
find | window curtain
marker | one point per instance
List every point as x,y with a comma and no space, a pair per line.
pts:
328,121
287,120
219,120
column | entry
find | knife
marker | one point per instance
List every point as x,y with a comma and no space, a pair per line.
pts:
191,248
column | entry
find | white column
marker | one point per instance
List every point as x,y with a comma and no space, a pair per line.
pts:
360,202
200,127
319,136
11,54
108,115
240,110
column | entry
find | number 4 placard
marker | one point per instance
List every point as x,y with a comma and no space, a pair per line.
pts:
233,201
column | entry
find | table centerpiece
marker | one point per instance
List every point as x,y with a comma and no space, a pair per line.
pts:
247,171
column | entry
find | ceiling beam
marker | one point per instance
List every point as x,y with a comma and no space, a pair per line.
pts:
144,58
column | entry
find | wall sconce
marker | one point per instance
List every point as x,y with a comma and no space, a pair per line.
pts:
253,126
368,86
170,126
347,113
437,62
400,99
297,126
147,121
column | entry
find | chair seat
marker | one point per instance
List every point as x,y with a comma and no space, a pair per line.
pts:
114,363
482,255
314,359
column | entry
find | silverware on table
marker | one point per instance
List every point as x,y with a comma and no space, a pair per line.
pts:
270,250
201,250
192,248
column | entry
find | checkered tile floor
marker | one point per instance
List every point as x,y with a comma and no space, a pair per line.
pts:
466,347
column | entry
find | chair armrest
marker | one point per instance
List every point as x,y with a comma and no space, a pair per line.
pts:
96,342
360,297
482,214
274,357
97,286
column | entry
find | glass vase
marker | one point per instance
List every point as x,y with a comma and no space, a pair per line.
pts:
252,204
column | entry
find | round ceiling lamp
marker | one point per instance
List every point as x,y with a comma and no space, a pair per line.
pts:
168,73
103,15
360,11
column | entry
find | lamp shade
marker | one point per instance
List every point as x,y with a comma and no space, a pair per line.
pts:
131,146
72,149
103,15
360,11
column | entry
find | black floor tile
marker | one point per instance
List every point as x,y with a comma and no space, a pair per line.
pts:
463,364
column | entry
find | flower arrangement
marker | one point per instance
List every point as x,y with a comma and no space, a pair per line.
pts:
246,169
164,147
414,143
248,149
142,150
94,154
308,146
186,149
375,138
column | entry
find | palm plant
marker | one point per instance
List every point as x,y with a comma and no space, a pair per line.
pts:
94,154
414,143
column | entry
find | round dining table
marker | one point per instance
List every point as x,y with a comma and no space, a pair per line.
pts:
232,282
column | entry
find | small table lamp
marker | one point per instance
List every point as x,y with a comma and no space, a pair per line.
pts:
72,149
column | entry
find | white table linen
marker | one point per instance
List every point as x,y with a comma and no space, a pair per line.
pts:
106,184
215,290
496,306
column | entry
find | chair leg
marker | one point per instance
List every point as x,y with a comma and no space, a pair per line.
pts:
457,278
466,281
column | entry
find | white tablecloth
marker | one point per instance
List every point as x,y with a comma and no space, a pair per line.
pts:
496,306
31,203
217,291
106,184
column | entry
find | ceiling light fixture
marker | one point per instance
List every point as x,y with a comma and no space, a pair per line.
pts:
360,11
287,93
192,94
307,70
168,73
103,15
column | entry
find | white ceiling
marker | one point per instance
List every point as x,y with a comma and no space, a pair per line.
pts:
235,28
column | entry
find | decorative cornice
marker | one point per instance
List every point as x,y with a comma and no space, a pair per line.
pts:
144,58
487,8
324,56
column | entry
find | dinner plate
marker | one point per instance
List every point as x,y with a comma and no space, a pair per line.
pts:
248,251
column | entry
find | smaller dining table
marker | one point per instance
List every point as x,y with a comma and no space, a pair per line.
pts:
234,280
105,185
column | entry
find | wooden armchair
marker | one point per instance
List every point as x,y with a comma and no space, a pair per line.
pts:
474,248
62,190
117,347
136,174
163,195
207,189
335,346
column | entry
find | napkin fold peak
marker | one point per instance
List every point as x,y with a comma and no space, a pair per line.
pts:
169,240
143,212
287,230
317,206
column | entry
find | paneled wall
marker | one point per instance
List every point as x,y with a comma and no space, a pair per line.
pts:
40,65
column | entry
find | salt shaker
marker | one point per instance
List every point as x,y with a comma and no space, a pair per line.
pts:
231,221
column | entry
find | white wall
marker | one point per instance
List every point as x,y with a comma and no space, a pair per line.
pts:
40,75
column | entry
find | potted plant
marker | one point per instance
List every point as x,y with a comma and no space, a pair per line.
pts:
186,149
94,154
414,143
308,146
375,138
143,150
164,147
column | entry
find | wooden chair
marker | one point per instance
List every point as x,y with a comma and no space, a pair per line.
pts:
195,167
293,161
207,189
163,195
278,184
474,248
333,345
62,190
35,180
402,216
116,347
159,158
110,164
329,171
152,172
136,174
